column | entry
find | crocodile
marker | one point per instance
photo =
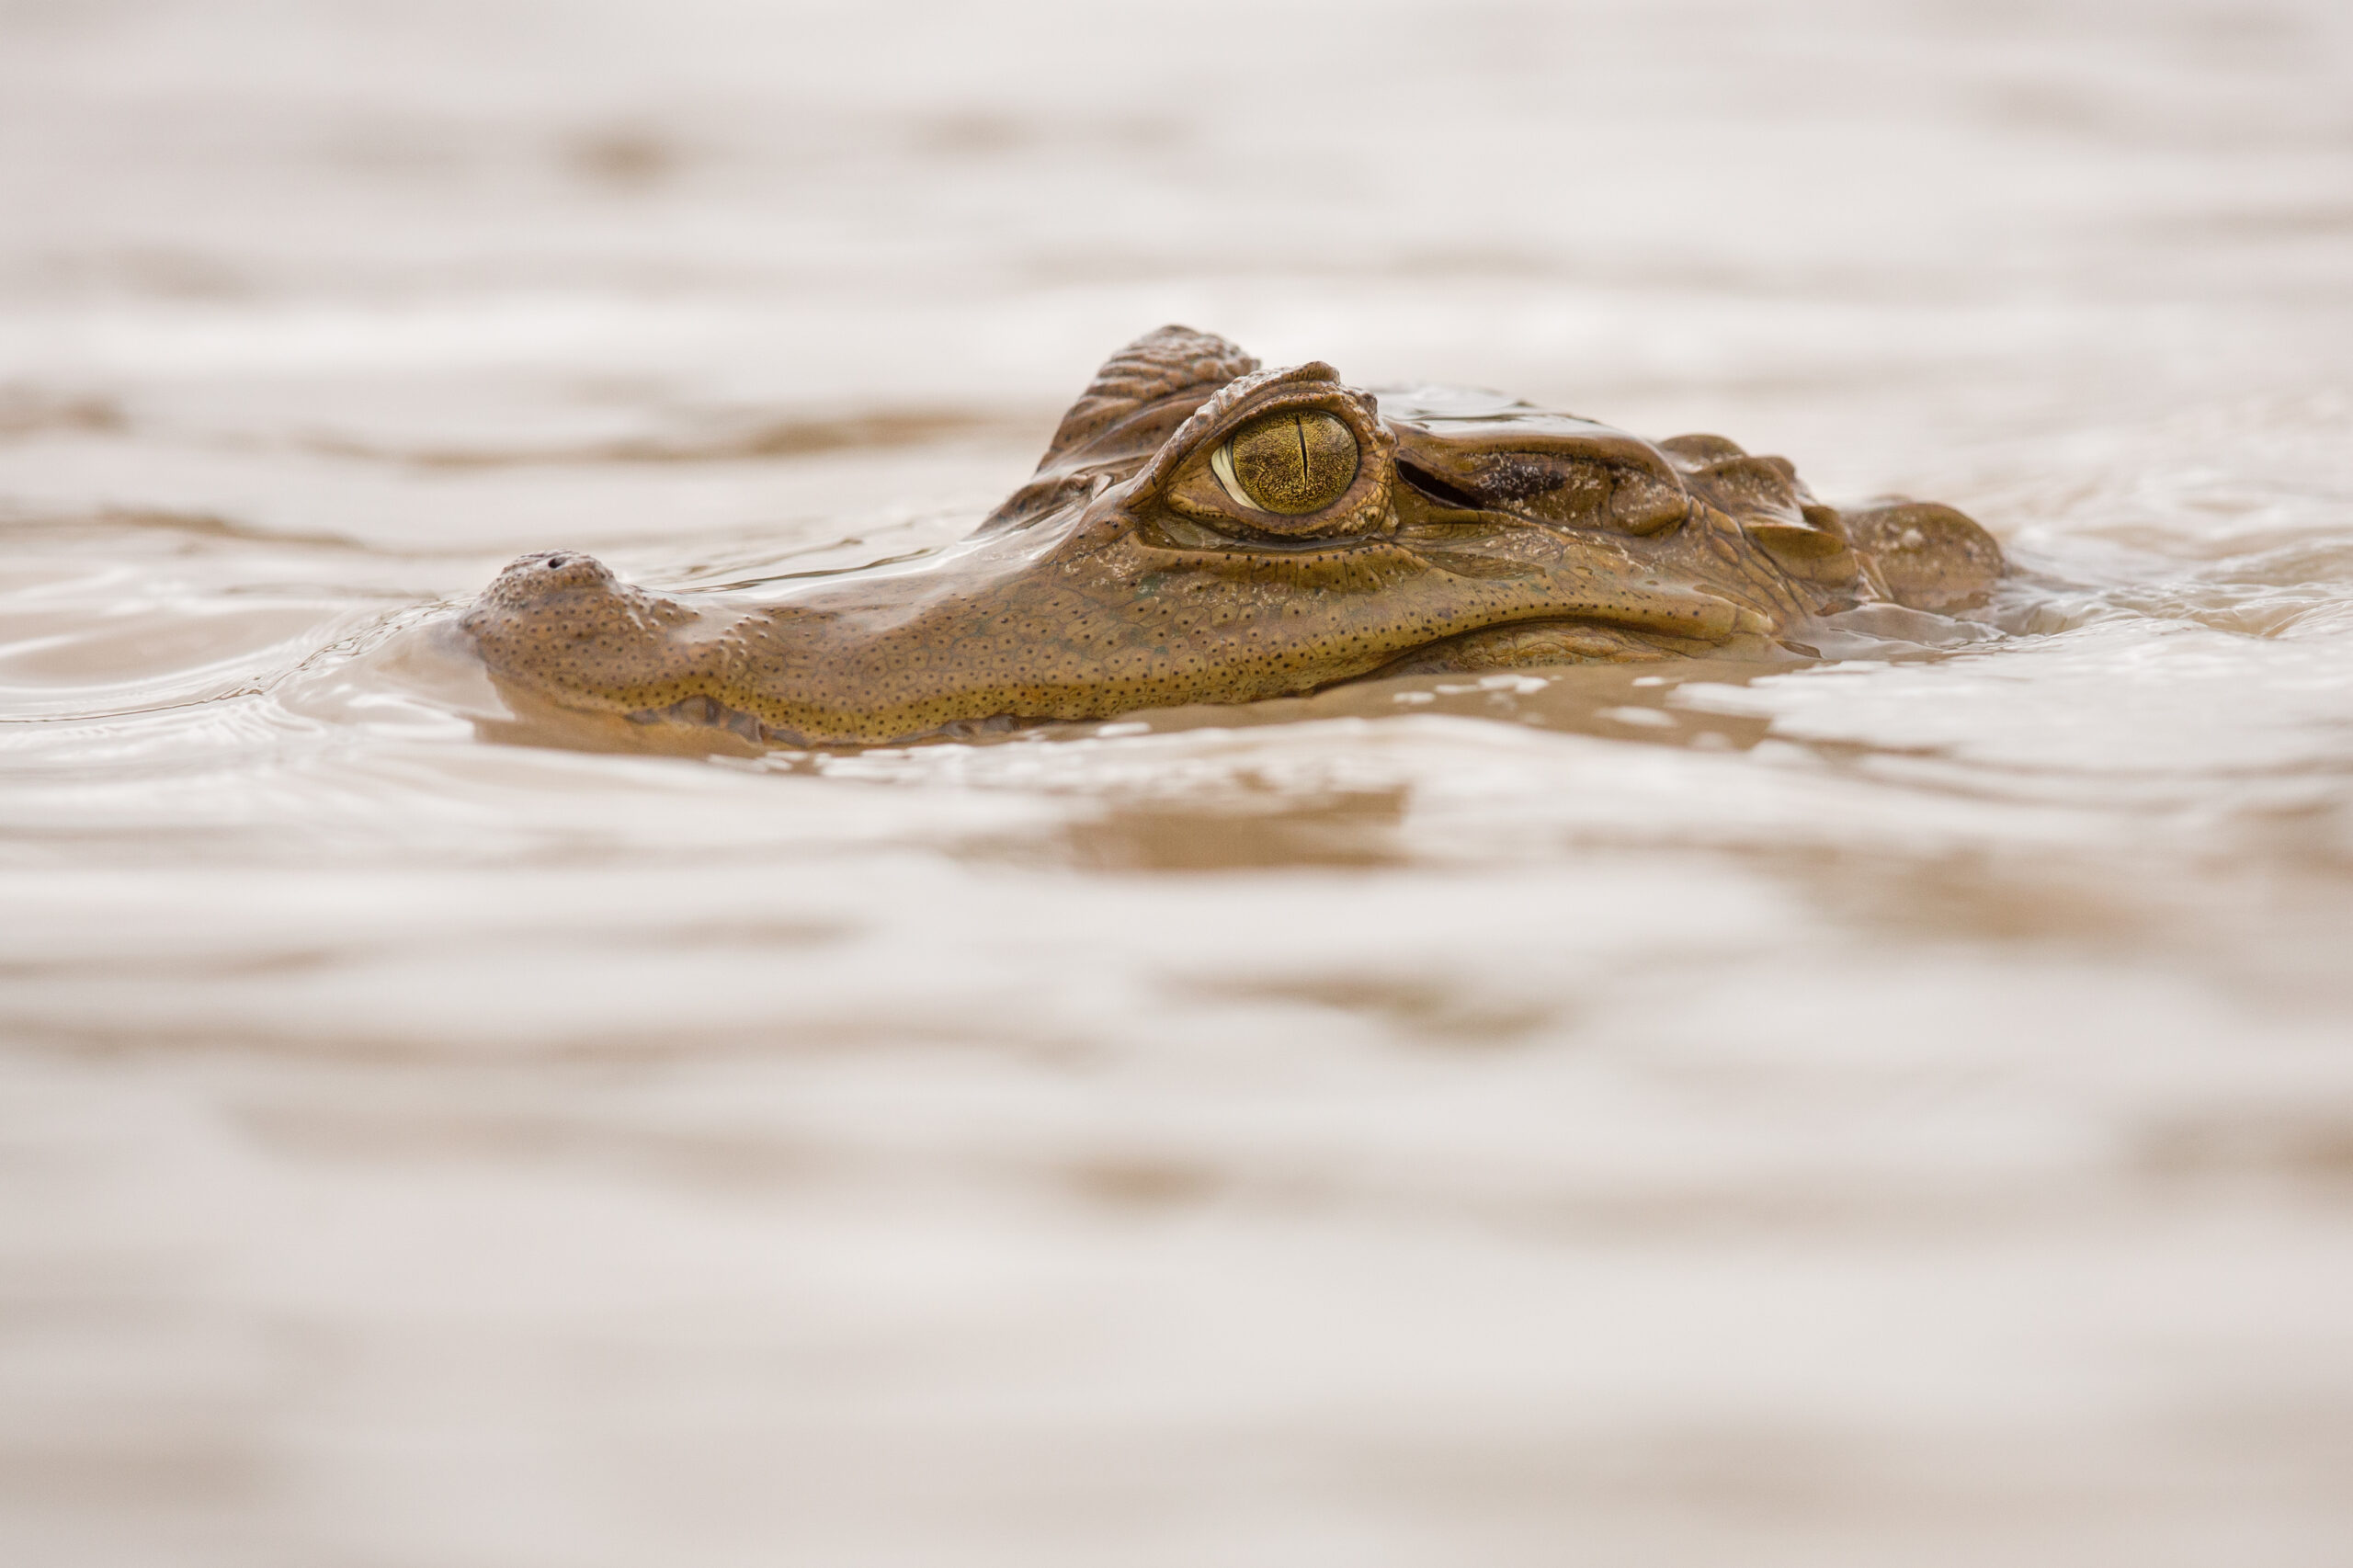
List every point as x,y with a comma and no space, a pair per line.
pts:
1205,531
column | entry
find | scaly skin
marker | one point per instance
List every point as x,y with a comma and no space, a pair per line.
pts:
1475,534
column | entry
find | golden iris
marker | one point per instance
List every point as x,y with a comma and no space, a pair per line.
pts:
1292,461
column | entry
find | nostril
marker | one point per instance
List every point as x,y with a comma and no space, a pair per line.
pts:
558,562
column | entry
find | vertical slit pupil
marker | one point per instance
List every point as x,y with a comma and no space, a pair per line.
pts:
1294,463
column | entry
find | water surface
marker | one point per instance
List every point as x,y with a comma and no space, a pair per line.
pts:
1892,1111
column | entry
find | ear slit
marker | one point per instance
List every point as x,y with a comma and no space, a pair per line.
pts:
1437,489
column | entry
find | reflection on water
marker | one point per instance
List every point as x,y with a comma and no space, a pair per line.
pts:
1886,1108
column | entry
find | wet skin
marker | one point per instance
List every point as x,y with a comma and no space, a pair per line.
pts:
1204,532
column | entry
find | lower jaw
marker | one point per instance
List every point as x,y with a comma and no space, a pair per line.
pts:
1526,644
708,713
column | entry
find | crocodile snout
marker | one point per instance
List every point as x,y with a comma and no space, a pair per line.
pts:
534,579
560,623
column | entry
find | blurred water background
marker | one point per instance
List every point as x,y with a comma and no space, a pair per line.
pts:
1893,1112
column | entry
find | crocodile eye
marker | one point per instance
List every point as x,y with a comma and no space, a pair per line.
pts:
1292,461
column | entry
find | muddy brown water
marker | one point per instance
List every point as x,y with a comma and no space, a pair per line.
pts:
1894,1109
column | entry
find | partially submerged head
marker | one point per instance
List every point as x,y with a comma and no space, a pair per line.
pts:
1204,532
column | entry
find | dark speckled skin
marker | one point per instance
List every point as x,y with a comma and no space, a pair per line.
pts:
1478,534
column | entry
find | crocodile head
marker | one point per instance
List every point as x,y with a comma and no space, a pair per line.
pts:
1202,530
